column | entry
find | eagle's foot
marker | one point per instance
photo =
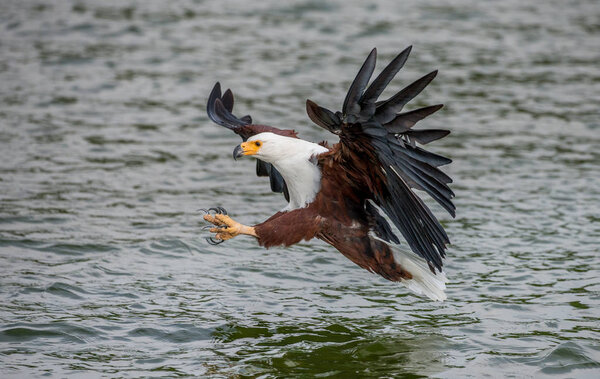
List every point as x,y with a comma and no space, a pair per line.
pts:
226,227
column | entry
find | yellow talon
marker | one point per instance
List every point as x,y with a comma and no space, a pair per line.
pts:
232,228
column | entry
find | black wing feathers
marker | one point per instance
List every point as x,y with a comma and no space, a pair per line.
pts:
219,109
426,136
352,105
386,111
385,77
379,224
405,164
404,121
323,117
275,179
227,100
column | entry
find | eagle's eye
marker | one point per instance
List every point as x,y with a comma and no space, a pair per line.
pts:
257,143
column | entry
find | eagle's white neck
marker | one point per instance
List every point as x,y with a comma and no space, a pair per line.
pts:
294,159
303,179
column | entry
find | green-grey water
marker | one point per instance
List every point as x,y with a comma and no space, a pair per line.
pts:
106,154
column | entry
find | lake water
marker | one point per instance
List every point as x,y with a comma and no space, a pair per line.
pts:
106,154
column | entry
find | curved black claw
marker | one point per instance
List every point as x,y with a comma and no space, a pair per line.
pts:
213,241
217,210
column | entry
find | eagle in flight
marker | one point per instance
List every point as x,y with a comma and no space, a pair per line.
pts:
337,193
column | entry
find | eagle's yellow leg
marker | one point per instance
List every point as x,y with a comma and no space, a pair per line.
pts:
227,228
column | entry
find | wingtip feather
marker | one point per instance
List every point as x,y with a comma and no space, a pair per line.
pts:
351,102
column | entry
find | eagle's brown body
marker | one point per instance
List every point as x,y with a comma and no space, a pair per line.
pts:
337,217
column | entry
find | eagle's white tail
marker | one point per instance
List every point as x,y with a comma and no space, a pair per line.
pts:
424,282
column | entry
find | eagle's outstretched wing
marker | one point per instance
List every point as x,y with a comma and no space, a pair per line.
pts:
219,108
380,144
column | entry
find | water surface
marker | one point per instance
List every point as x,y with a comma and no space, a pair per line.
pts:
106,154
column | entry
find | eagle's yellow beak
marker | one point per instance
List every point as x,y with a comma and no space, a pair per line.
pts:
246,148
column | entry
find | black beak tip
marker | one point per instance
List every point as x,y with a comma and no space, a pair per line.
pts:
238,152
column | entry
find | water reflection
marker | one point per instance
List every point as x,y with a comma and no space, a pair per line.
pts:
327,348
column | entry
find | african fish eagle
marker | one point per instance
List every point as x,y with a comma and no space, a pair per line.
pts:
336,193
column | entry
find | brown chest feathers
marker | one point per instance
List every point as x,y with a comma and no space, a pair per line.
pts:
336,216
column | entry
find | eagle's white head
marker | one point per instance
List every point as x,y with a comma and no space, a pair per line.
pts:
292,157
273,148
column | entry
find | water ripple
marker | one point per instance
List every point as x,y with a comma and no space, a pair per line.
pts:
107,154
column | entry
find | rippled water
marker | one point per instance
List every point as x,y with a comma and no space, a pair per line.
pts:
106,153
